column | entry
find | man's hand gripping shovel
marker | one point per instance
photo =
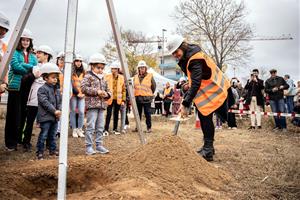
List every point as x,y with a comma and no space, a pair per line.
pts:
182,116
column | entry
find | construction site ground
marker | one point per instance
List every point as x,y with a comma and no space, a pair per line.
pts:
258,164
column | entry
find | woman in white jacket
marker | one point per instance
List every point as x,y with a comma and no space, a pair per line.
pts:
44,55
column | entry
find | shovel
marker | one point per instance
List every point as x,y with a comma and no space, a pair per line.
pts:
177,120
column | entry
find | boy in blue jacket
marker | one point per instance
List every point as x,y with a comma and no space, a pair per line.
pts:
49,109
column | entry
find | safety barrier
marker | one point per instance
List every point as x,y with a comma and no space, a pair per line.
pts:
247,112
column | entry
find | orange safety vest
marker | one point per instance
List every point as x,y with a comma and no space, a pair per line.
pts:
3,50
212,92
167,91
144,88
120,85
76,81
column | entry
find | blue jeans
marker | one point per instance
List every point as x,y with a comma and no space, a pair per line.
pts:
277,106
147,111
94,124
77,102
48,129
290,104
123,116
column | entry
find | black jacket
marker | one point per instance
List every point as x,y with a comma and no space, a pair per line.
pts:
253,87
199,70
271,83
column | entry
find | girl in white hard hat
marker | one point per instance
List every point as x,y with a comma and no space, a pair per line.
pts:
77,99
96,91
20,78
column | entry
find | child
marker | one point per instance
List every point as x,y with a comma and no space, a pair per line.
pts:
96,93
49,109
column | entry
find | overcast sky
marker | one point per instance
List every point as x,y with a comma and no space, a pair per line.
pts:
268,17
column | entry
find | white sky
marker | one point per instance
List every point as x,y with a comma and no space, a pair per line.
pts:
268,17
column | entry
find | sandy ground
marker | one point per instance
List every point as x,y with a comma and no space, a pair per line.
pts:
247,165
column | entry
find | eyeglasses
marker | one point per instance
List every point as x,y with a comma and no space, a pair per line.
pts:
78,61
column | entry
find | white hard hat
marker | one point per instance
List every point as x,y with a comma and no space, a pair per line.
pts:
60,54
115,65
4,21
48,68
97,58
141,63
27,34
46,49
78,57
174,43
182,79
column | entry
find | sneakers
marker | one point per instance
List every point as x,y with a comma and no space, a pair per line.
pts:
276,129
80,132
40,156
258,127
74,133
53,153
251,128
10,149
149,130
105,133
234,128
90,151
126,127
101,149
123,131
116,133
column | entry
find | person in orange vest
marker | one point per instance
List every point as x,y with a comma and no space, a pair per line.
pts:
144,87
4,28
168,98
116,85
208,88
77,99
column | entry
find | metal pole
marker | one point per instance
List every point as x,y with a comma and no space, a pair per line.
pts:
15,37
163,46
69,49
117,35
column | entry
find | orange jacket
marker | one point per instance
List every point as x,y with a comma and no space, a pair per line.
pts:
121,91
143,88
212,92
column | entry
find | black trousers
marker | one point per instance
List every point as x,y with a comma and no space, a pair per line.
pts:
158,108
147,111
167,106
126,117
30,118
24,91
231,120
115,107
207,125
13,118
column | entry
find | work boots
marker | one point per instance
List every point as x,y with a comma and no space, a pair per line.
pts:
207,151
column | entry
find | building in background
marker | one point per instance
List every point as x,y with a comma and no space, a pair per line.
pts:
170,69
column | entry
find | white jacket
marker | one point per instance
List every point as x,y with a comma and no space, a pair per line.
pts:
38,82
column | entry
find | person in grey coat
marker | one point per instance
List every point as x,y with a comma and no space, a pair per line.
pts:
49,109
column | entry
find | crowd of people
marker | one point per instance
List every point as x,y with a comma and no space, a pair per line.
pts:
35,87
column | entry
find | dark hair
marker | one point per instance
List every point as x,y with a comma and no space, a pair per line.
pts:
49,56
29,49
183,46
255,70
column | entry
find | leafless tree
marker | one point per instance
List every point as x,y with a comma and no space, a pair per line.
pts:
219,26
134,51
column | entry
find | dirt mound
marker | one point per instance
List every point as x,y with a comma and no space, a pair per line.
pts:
172,165
166,168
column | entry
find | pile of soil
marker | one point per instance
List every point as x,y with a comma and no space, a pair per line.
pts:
166,168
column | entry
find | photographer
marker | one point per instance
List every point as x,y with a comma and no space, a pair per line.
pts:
255,98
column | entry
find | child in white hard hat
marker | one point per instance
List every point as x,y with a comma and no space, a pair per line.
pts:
49,109
96,92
